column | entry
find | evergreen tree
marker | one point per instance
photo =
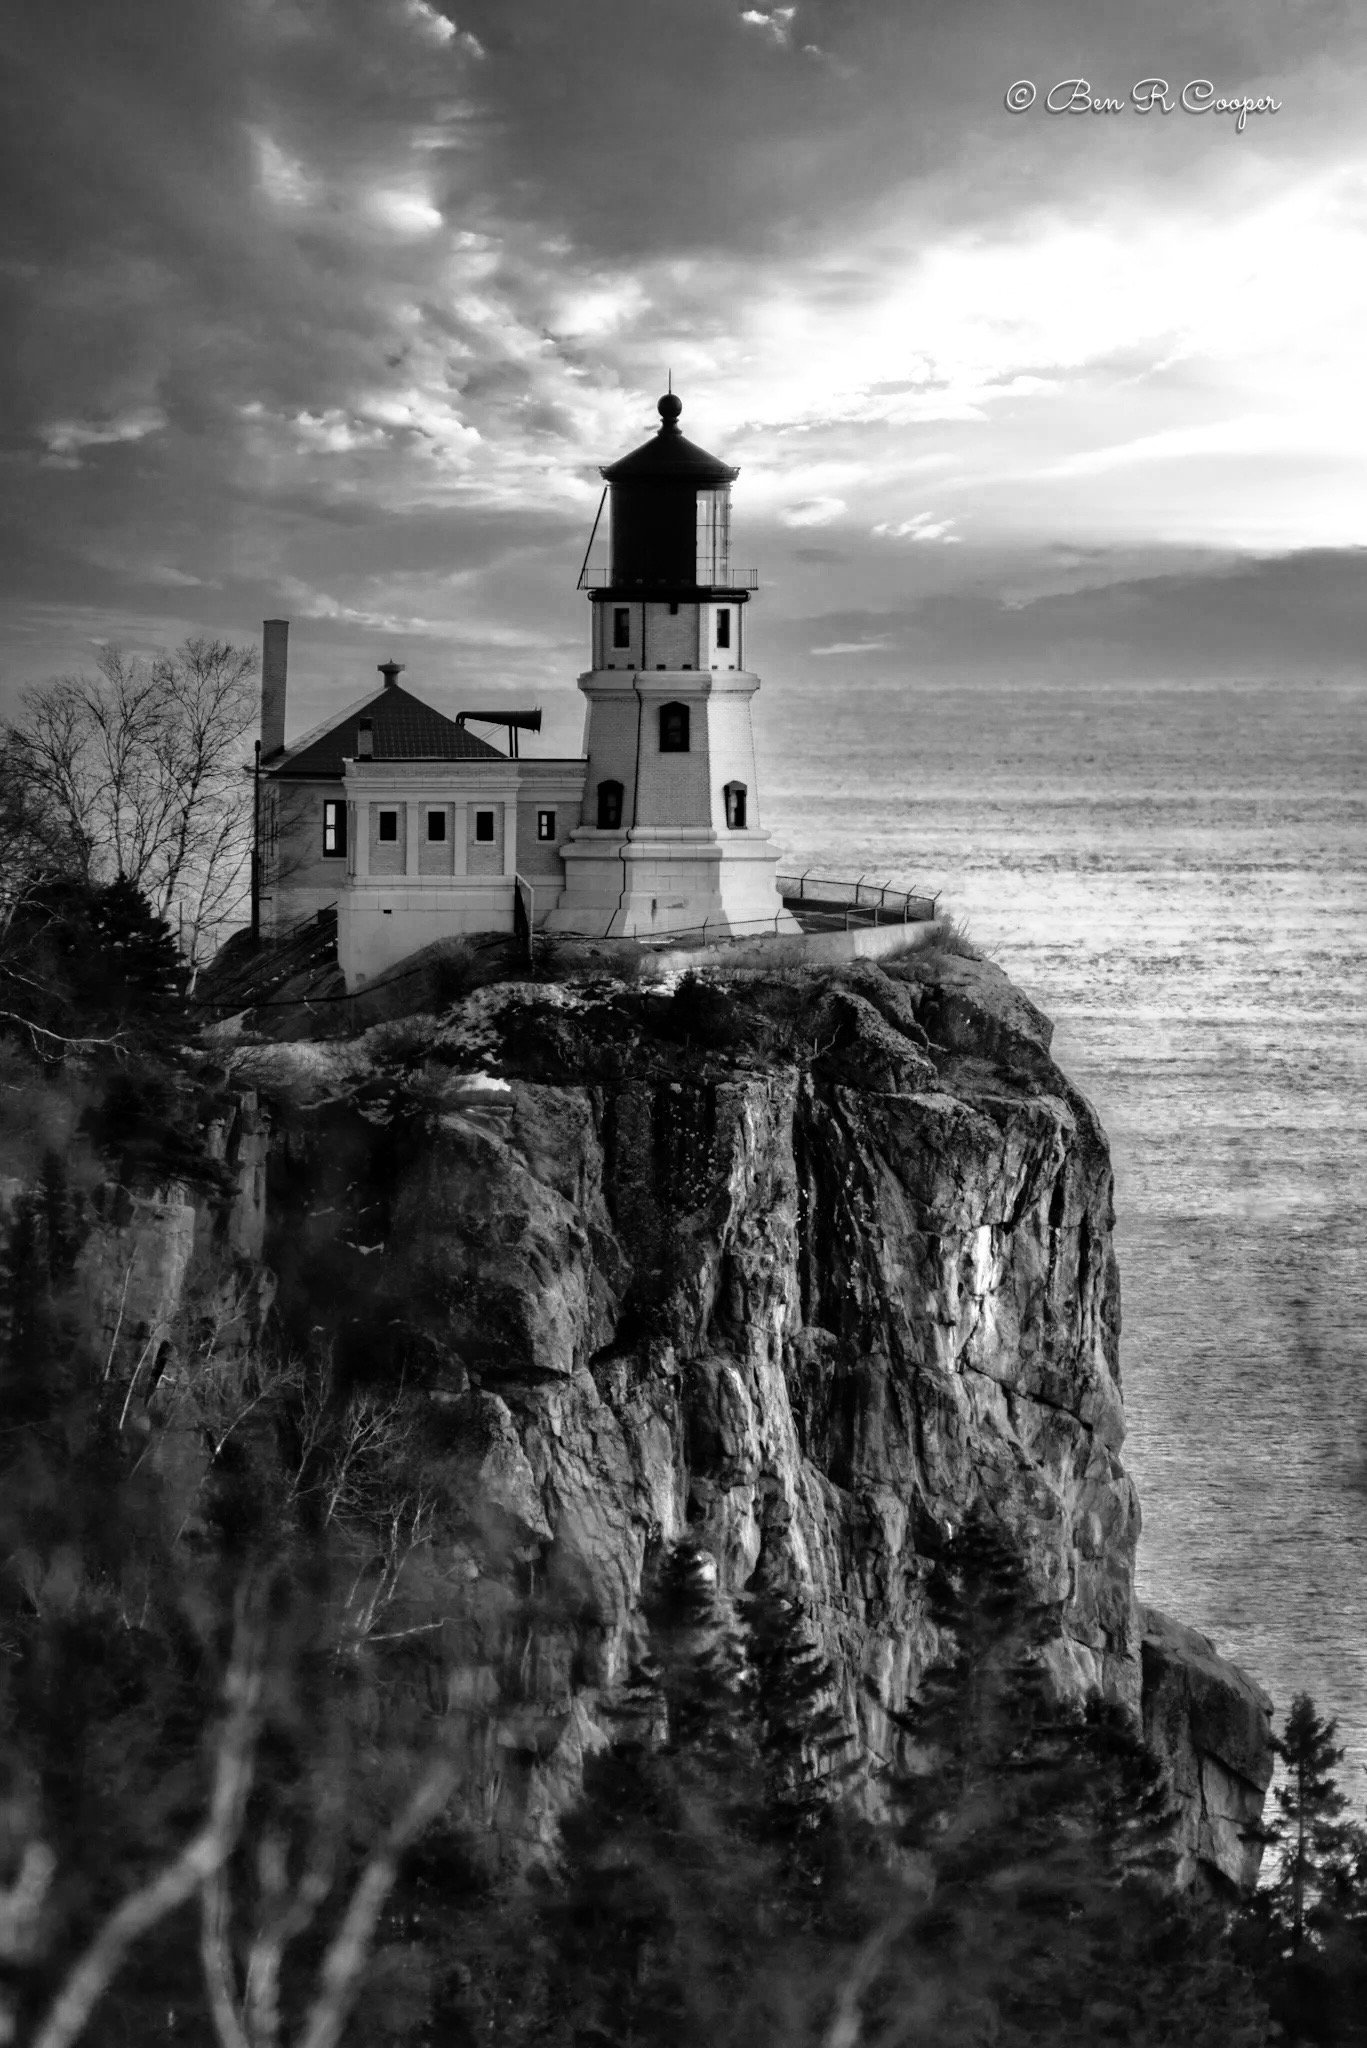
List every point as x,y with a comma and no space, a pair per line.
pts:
85,965
668,1894
717,1887
1320,1854
690,1903
1037,1839
1305,1930
805,1741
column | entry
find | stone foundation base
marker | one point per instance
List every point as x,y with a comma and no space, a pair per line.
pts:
652,881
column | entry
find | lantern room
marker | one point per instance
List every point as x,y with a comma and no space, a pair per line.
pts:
670,514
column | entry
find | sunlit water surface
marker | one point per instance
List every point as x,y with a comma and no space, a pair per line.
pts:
1176,875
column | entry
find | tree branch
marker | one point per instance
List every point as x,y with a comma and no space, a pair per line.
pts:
202,1856
349,1951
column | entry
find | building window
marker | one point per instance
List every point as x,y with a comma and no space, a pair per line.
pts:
484,827
673,728
621,626
724,627
334,829
545,824
734,793
387,831
609,806
436,825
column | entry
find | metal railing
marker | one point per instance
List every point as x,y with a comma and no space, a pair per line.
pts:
524,916
717,931
313,921
818,902
598,576
844,901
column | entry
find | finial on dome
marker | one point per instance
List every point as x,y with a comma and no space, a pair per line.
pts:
669,406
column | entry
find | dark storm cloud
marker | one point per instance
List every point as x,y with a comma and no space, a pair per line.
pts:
1303,615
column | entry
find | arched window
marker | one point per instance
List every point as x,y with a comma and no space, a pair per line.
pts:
609,806
673,728
734,792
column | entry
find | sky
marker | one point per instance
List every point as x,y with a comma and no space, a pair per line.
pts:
330,310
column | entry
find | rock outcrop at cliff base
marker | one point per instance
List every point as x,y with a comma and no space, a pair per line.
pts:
1211,1723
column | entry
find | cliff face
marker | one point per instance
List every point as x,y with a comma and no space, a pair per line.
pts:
802,1272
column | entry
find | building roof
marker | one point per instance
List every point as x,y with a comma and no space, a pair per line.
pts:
403,727
670,456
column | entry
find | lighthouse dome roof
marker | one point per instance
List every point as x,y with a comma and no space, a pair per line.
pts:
670,456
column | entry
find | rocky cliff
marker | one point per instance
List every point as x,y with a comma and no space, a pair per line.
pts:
804,1269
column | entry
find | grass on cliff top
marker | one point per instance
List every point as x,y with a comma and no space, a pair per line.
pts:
450,971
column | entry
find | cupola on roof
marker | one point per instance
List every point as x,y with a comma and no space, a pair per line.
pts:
670,456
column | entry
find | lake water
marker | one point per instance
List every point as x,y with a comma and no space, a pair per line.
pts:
1176,875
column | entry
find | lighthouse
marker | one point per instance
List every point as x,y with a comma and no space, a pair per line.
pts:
671,837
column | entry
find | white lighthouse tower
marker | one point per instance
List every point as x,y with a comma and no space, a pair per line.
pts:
671,837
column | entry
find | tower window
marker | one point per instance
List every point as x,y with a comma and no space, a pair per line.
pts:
673,728
724,626
545,824
484,828
734,793
334,829
609,806
436,825
387,828
621,625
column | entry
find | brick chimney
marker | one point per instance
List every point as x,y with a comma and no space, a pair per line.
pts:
275,647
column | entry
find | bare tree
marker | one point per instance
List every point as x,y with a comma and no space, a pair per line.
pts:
34,845
139,773
295,1873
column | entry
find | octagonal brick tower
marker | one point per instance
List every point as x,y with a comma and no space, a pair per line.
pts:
671,838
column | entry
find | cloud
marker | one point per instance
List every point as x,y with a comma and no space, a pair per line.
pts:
855,646
922,526
1254,434
813,512
775,21
439,28
69,437
404,213
391,613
